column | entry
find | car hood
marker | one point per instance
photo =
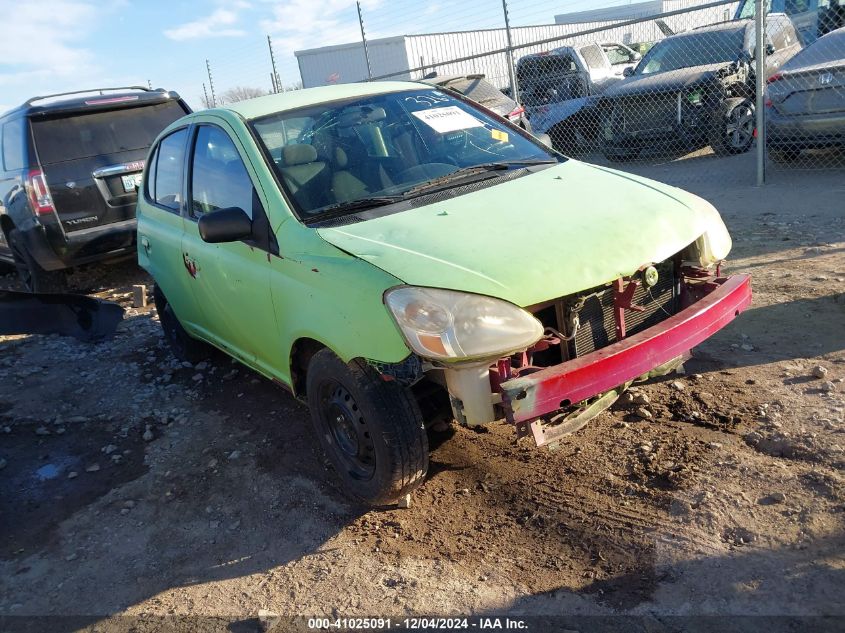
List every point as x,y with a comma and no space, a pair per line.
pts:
664,82
549,234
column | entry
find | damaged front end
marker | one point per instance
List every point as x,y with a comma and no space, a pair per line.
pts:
596,343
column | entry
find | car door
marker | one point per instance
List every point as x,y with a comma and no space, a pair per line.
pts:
230,281
160,225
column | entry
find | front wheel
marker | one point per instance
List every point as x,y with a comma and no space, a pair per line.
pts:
372,430
784,154
733,129
620,154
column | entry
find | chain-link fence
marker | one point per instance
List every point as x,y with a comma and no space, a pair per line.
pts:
670,83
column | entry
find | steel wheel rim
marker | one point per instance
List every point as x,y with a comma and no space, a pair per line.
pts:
348,431
740,128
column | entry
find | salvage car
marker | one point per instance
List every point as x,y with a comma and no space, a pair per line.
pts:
805,100
387,249
477,88
560,89
71,163
693,89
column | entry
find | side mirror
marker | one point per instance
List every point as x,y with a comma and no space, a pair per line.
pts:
546,140
636,57
225,225
629,70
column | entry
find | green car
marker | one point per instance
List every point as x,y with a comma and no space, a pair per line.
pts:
392,253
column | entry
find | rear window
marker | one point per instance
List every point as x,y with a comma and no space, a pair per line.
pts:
82,135
533,68
482,92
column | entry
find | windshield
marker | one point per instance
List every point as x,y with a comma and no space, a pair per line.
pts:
694,49
346,155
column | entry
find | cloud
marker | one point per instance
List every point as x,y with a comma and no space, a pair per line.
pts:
217,24
309,24
45,54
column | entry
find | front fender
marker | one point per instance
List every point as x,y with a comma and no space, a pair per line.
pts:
322,293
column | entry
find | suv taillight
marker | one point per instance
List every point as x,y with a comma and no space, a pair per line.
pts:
516,113
39,194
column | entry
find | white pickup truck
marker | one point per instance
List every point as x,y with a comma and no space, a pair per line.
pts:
558,87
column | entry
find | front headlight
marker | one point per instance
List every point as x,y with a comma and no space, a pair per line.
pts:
449,325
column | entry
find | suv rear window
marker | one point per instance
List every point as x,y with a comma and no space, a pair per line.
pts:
81,135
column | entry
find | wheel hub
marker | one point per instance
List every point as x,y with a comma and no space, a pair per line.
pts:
349,431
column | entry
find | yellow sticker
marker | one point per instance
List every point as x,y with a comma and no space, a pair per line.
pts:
499,135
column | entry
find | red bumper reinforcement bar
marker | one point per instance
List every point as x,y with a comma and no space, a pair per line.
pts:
529,397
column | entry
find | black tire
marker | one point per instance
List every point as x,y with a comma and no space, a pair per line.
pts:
620,154
564,139
372,430
733,128
784,154
183,346
32,276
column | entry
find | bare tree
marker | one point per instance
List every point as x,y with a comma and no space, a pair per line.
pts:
241,93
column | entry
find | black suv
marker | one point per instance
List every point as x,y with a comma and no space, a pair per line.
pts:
71,163
693,89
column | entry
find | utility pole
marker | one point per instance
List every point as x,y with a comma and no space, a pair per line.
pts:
211,85
205,92
149,84
511,70
364,39
760,83
277,84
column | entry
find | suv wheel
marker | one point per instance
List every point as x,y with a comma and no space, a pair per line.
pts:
372,430
183,346
733,130
32,276
620,154
784,154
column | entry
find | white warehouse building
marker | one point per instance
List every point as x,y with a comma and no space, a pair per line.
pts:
398,56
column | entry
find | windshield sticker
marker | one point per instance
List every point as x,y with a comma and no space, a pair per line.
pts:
429,98
499,135
448,119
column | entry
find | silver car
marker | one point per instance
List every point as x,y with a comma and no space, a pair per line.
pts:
806,99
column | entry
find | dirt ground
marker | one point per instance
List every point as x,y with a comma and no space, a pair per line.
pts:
134,485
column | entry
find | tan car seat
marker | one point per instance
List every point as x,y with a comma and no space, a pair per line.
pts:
304,175
345,186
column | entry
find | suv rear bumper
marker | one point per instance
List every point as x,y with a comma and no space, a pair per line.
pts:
81,247
530,397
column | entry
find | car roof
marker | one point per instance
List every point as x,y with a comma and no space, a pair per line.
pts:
442,80
730,25
90,100
270,104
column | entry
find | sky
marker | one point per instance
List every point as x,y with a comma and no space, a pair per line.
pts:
51,46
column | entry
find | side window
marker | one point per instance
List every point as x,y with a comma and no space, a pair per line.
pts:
13,143
165,174
219,178
793,7
618,55
592,55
